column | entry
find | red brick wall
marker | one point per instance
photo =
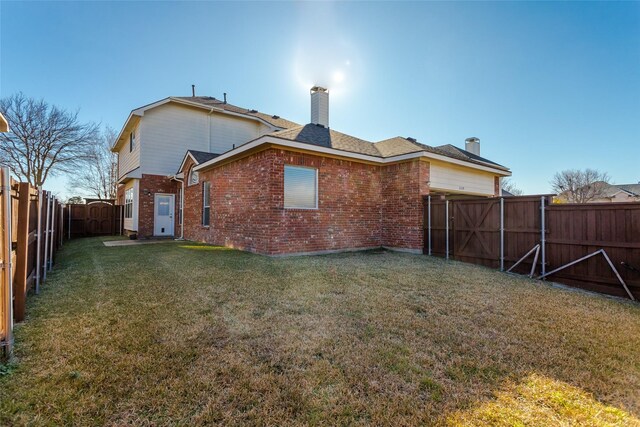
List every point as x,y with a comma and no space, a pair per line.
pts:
403,186
241,204
359,205
349,210
149,185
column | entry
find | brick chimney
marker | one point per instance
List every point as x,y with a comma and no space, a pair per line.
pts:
320,106
472,145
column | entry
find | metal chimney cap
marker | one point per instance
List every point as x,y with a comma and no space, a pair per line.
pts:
319,89
472,139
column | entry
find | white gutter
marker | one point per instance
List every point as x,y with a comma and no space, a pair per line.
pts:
333,151
181,181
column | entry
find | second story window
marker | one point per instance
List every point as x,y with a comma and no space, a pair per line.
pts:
132,141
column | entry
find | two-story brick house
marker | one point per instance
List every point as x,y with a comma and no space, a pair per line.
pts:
153,142
260,183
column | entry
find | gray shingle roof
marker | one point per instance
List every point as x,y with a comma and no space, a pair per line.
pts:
325,137
202,156
209,101
460,154
631,188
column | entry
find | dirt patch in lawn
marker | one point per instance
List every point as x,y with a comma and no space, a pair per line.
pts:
182,333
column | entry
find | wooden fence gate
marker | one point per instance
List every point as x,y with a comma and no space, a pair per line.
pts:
96,218
498,232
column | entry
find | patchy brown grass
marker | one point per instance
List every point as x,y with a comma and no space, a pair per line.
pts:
187,334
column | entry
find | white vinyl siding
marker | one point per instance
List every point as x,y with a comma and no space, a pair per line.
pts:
128,161
457,179
168,131
300,187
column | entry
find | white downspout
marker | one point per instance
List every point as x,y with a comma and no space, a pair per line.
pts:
210,112
181,181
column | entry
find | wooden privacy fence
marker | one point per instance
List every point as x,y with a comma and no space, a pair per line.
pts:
530,235
95,218
31,233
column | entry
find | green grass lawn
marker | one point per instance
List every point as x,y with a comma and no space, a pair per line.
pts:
186,334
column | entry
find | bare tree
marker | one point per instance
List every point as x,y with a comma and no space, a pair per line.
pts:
75,200
44,140
99,177
580,186
510,186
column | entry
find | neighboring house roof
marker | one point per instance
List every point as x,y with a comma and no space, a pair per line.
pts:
609,191
4,124
205,102
197,157
506,193
634,189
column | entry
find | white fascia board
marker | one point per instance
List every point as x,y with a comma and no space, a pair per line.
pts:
126,124
332,151
222,111
186,156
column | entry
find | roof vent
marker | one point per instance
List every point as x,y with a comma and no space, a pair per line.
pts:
275,117
411,139
253,111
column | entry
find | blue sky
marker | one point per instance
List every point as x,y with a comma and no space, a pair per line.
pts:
545,86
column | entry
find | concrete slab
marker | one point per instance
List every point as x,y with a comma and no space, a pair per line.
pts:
112,243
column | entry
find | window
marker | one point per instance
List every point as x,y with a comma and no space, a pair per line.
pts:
300,187
206,207
128,203
132,141
193,177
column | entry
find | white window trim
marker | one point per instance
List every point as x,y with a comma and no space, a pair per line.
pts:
316,183
192,173
128,202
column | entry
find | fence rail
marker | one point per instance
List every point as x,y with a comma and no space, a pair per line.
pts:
31,233
499,232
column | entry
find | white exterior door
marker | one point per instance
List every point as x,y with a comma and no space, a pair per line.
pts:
163,214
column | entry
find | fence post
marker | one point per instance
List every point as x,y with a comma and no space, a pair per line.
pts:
501,233
446,222
39,240
5,245
542,235
46,237
22,251
53,229
428,222
61,226
69,221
